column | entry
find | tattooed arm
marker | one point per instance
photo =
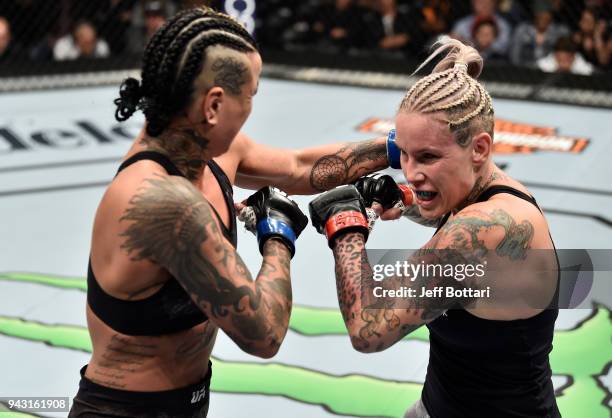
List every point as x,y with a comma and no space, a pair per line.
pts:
308,170
169,222
463,240
413,213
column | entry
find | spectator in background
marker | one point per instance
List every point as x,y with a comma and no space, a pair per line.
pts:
388,27
533,41
484,34
83,42
593,39
31,20
154,14
339,25
9,50
514,11
482,9
115,24
604,7
565,59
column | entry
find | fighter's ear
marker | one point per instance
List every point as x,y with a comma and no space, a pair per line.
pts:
482,146
212,104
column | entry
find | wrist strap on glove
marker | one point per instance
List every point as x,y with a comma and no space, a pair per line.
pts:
407,195
393,152
345,220
269,227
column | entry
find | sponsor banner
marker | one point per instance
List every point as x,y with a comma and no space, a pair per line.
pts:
510,137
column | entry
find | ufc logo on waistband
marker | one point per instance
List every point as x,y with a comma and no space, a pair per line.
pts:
198,395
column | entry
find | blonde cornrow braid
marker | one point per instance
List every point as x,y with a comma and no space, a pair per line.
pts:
454,88
434,90
415,92
422,85
462,100
457,89
483,102
436,86
463,92
448,102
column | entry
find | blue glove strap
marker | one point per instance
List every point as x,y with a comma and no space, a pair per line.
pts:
268,227
393,152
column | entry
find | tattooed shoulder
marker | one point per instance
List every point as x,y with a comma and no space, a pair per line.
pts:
166,215
486,228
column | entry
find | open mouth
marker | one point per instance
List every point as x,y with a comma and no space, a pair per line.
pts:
425,196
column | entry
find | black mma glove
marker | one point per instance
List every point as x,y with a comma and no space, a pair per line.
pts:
383,190
338,211
277,216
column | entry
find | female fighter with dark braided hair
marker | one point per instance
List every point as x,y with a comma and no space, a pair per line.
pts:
164,273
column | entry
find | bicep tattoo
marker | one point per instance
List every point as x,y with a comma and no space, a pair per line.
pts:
169,221
170,224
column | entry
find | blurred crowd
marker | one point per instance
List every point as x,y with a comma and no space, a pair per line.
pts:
44,30
552,35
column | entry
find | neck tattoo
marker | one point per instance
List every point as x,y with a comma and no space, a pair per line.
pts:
185,147
479,187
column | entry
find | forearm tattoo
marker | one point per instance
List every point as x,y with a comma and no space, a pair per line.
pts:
170,222
460,241
414,214
348,164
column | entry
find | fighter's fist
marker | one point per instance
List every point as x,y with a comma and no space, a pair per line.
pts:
338,211
383,190
276,216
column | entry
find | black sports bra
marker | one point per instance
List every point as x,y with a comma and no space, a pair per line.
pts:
170,309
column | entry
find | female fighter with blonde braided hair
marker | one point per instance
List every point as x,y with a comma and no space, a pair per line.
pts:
490,335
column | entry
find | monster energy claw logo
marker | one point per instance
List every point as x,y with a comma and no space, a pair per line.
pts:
581,354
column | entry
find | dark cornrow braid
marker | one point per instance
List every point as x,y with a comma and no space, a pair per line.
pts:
239,30
156,48
172,61
179,45
195,60
168,67
237,27
228,29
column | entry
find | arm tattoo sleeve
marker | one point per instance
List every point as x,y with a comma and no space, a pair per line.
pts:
412,212
348,164
171,224
460,241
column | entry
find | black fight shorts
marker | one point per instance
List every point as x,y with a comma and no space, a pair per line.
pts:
96,401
